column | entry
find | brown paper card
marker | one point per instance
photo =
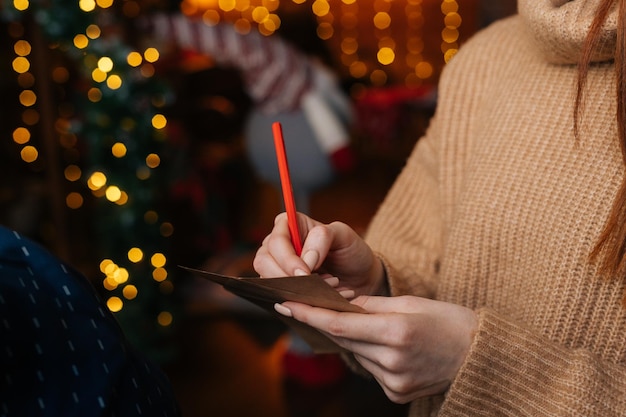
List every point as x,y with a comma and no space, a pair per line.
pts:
309,289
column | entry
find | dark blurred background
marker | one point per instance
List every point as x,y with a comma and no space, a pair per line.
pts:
127,173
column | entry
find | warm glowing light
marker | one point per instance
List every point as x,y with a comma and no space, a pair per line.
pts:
21,5
28,98
81,41
386,55
97,180
114,82
159,121
120,275
105,64
29,154
227,5
98,75
320,8
74,200
22,48
382,20
159,274
165,318
158,260
153,160
105,4
21,135
72,173
151,55
113,193
21,65
94,95
134,59
135,255
118,150
115,304
93,31
424,70
104,264
87,5
129,292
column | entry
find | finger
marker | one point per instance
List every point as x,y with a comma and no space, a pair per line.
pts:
400,304
355,327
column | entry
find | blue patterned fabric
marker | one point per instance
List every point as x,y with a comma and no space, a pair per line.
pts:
62,353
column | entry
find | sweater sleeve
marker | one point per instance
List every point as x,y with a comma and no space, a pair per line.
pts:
512,371
406,230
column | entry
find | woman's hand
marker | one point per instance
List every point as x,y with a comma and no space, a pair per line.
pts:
414,347
334,249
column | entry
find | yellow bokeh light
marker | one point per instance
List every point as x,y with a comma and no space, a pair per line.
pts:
424,70
118,150
113,193
21,5
98,75
227,5
105,64
87,5
81,41
386,55
159,274
22,48
158,260
134,59
115,304
153,160
21,135
29,154
28,98
259,14
120,275
104,265
123,199
105,4
151,55
97,180
72,173
94,95
159,121
93,31
21,65
109,283
74,200
129,292
165,318
114,82
320,8
449,35
382,20
135,255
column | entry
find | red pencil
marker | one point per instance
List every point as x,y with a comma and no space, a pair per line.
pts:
285,180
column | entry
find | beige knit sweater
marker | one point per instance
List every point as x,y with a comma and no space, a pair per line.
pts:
498,208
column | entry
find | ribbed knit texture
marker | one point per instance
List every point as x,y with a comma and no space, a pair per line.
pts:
498,209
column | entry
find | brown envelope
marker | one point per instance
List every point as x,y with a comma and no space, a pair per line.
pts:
265,292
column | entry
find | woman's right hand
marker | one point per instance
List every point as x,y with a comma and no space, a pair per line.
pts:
334,249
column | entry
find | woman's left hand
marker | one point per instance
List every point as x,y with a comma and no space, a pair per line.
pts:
413,346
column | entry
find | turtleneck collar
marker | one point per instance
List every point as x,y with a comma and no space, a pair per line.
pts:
560,28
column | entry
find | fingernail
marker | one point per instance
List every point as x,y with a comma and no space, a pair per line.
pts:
311,258
332,281
299,272
281,309
347,293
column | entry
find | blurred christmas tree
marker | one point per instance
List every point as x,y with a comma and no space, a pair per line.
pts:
112,114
